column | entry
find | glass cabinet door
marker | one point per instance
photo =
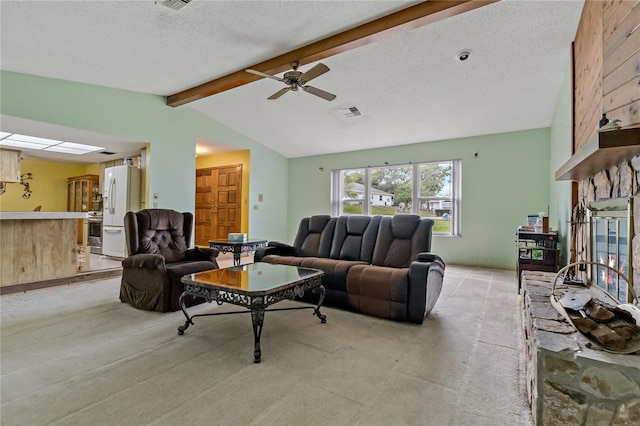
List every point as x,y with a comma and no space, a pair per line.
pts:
85,195
70,197
77,197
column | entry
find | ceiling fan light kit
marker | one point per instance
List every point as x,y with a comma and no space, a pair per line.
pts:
296,79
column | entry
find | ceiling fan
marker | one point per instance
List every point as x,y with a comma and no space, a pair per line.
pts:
296,79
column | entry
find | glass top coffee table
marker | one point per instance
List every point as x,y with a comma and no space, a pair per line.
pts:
255,286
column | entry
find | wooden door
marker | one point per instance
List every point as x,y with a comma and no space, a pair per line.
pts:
218,203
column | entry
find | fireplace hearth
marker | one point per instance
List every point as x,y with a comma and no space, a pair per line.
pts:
570,381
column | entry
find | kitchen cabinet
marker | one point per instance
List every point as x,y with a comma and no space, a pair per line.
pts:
83,195
9,165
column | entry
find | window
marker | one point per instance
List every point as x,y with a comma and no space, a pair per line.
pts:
427,189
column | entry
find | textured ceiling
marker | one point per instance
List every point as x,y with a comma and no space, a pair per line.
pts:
410,88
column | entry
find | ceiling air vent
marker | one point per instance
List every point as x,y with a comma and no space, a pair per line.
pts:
107,152
353,111
174,4
348,114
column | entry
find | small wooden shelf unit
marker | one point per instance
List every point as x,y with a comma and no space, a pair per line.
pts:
536,251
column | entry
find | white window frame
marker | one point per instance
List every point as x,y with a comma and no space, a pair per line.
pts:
456,195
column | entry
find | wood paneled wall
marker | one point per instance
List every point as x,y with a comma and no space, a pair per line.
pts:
587,73
606,57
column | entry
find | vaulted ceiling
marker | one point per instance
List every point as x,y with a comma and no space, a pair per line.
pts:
409,87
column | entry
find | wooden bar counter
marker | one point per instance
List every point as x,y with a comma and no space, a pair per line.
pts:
37,246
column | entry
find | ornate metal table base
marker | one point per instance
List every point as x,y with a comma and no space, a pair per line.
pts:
237,248
257,305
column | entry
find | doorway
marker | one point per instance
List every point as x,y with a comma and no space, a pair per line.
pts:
218,207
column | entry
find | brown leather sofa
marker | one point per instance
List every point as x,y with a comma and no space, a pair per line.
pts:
156,241
380,266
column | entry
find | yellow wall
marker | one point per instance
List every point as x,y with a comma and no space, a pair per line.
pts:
228,159
48,186
92,169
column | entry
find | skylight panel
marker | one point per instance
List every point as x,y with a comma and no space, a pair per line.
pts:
33,139
31,142
79,146
21,144
66,150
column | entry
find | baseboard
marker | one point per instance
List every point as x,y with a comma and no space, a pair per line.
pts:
80,277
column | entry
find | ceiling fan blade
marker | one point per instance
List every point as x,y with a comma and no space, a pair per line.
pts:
279,93
261,74
315,91
314,72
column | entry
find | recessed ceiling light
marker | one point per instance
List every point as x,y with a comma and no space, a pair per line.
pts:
463,55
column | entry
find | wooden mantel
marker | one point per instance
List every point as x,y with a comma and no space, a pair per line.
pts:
603,150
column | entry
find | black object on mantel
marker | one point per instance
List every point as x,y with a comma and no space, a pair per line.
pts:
604,120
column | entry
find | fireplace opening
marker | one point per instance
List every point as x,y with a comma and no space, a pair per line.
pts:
610,236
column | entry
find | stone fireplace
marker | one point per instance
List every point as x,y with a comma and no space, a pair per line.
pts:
605,232
569,380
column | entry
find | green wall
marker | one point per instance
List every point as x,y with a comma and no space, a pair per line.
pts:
510,177
171,132
559,153
508,180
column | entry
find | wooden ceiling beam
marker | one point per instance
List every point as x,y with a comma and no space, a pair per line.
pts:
404,20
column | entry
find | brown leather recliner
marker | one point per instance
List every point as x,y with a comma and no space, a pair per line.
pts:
158,257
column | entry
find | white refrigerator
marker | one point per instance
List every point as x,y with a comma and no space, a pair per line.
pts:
121,193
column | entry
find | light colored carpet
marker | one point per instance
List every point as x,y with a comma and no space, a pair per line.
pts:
77,355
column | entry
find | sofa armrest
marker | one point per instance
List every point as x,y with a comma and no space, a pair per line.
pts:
144,261
429,257
426,274
202,253
275,248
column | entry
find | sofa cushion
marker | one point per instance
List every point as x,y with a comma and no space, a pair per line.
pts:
282,260
314,235
335,271
378,291
400,239
354,237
